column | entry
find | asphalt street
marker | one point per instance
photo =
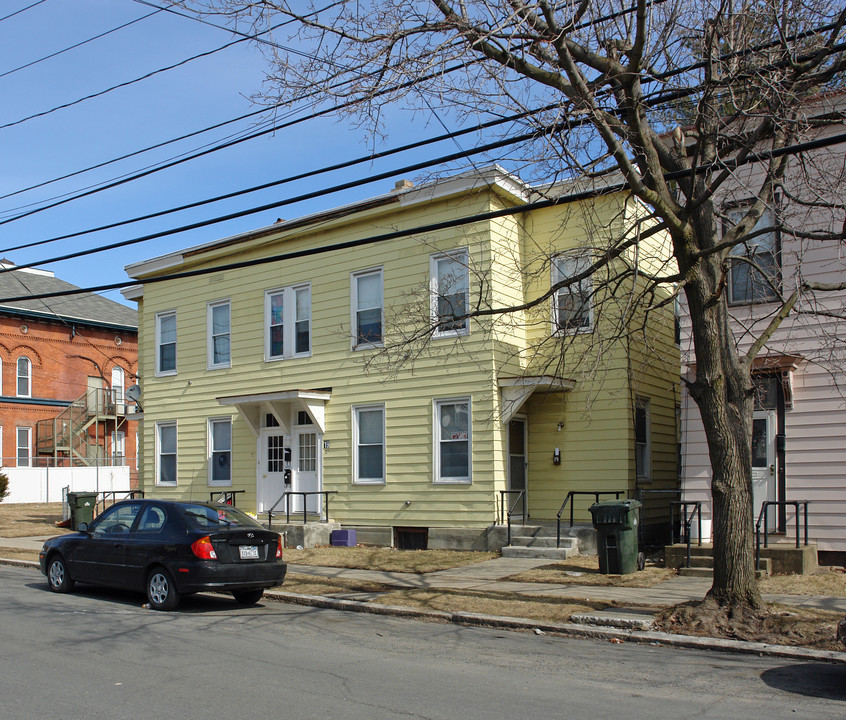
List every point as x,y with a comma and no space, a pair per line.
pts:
99,654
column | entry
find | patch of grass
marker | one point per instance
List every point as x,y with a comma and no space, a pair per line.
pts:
18,554
386,559
488,603
30,519
584,570
825,581
312,585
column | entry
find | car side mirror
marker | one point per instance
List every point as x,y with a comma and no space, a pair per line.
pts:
82,527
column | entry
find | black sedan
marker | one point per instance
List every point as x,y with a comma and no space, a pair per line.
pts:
168,549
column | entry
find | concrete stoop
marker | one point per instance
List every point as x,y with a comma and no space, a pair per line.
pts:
540,541
781,558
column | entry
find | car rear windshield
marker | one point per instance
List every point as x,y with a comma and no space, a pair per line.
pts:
205,517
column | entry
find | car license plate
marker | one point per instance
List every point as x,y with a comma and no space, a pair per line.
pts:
248,552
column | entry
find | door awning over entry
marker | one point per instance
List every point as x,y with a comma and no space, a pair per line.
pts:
516,390
253,407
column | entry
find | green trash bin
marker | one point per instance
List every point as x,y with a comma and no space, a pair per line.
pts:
81,505
615,522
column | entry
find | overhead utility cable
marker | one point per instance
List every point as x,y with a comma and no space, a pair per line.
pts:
24,9
732,164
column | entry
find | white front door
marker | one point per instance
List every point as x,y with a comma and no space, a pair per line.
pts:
764,464
272,468
307,470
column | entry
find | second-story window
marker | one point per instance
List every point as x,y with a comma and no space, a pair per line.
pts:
754,279
118,386
24,386
166,343
287,313
367,308
571,308
218,334
220,451
450,285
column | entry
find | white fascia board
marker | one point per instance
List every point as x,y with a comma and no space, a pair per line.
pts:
133,292
146,267
492,176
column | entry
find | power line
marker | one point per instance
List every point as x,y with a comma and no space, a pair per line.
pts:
422,229
18,12
79,44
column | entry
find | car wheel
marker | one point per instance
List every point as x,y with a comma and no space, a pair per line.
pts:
161,590
247,597
58,576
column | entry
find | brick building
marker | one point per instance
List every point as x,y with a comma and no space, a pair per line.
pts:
65,364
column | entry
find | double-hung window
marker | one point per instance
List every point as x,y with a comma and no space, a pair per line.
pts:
452,441
367,308
220,451
166,453
450,288
218,322
643,441
287,313
24,446
754,279
369,444
571,308
166,343
24,385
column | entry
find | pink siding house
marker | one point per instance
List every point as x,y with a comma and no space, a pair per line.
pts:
799,433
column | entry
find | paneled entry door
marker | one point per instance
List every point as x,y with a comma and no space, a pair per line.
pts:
307,475
517,466
272,470
764,464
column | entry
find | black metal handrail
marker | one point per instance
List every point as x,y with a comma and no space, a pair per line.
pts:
521,495
113,494
763,515
696,510
225,497
570,496
286,496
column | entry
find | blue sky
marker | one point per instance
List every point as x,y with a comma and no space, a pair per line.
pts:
208,90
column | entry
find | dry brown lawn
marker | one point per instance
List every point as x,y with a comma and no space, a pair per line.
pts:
825,581
35,519
584,570
17,554
313,585
386,559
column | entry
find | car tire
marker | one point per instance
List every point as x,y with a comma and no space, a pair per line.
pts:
161,590
247,597
58,576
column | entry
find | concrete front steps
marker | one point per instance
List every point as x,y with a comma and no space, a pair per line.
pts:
539,541
781,558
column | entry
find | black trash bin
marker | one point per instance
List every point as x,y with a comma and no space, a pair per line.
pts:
615,522
81,506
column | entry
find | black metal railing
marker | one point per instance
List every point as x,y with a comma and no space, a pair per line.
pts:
686,521
642,494
569,498
763,516
288,494
506,515
105,495
225,497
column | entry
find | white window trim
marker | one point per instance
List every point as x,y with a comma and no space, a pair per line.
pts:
354,277
768,217
159,317
462,256
159,426
18,377
118,443
436,444
211,450
555,278
1,376
355,424
646,476
289,319
210,307
18,446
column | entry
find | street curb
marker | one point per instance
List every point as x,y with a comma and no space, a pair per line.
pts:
597,632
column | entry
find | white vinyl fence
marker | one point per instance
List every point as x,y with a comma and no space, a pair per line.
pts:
45,484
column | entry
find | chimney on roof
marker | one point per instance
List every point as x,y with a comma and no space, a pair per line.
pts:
401,185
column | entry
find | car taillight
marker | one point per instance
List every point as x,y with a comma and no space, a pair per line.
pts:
279,548
204,549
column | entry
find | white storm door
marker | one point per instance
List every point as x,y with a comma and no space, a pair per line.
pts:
307,469
272,467
764,464
517,466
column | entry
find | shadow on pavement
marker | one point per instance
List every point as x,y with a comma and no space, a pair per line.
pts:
818,680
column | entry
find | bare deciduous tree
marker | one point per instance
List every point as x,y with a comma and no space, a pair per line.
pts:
687,101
